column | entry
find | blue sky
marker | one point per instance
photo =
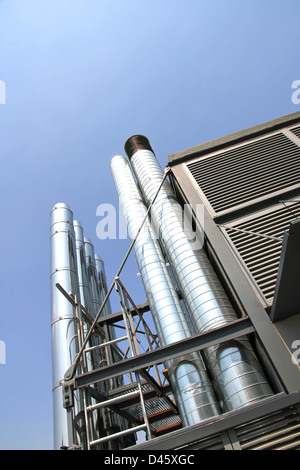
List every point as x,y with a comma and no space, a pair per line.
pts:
81,77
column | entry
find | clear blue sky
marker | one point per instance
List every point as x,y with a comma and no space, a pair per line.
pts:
81,77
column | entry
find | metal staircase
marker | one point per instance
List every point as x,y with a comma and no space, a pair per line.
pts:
109,413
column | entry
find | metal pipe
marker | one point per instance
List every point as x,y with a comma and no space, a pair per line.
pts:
192,389
102,285
107,343
84,289
238,376
82,267
92,276
98,355
113,401
119,434
101,278
71,371
63,271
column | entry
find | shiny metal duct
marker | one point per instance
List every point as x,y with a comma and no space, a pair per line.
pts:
193,391
102,285
85,297
99,355
81,266
92,276
63,327
238,376
101,278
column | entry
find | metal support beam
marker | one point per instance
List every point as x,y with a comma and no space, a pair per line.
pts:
195,343
118,316
219,424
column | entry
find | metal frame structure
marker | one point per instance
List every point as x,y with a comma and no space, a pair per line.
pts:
148,384
146,402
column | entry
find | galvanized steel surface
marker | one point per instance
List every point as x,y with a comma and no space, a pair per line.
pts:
238,377
194,395
64,341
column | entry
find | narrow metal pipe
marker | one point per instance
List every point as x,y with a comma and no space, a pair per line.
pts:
113,401
108,343
193,391
119,434
64,349
71,371
81,266
101,278
92,276
102,286
98,355
238,376
85,297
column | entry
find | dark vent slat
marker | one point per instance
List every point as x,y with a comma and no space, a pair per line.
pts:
244,173
261,255
250,166
242,152
256,191
262,248
251,178
264,226
296,131
244,161
264,219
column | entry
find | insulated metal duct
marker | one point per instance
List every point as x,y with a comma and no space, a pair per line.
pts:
101,278
193,391
238,377
63,327
84,288
81,266
92,276
99,355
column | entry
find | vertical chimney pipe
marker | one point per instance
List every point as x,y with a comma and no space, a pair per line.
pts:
194,394
238,377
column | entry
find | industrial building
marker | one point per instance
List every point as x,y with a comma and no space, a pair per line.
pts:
216,238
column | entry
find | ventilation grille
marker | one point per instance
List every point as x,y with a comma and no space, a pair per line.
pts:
258,241
275,431
296,131
248,172
278,431
214,442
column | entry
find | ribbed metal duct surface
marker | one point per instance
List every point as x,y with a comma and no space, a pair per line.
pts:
194,395
239,379
247,172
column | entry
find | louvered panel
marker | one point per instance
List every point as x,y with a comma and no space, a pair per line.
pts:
247,172
278,431
210,443
296,131
257,241
275,431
